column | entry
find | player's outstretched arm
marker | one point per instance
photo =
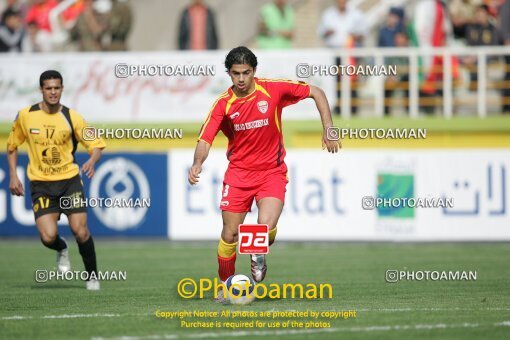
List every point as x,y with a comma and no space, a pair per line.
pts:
15,185
327,122
88,166
201,153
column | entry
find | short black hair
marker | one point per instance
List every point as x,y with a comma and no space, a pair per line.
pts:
50,74
10,13
240,55
484,7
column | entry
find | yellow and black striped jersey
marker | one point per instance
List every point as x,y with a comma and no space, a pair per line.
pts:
51,144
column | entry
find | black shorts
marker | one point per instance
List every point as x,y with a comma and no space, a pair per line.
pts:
46,196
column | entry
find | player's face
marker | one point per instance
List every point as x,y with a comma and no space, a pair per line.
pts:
52,91
481,16
341,4
242,78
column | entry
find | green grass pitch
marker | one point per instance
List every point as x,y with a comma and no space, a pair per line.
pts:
405,310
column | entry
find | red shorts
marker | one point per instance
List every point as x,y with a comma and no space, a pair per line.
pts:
241,186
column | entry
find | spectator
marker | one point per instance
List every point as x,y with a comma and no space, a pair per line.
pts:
462,14
62,18
90,27
71,13
276,25
39,13
431,28
340,23
31,41
119,26
11,34
482,32
343,26
394,24
504,17
13,5
197,30
401,80
479,33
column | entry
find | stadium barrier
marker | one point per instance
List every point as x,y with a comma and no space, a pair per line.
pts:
122,176
118,87
325,201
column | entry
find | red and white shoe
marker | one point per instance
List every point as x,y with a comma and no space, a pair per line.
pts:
258,267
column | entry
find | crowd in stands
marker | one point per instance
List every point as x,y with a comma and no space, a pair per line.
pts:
65,25
433,23
104,25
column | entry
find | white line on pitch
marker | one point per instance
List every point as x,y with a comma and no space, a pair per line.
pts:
16,317
393,310
304,331
386,310
73,316
64,316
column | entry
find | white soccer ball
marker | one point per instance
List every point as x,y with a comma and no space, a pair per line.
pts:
240,289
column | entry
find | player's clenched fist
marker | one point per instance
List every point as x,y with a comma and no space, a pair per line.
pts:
194,174
16,187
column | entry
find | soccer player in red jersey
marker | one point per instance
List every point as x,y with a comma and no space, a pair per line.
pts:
249,113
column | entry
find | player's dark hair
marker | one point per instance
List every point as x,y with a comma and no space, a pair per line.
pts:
50,74
240,55
484,7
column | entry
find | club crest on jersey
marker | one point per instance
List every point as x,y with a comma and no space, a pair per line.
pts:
262,105
234,115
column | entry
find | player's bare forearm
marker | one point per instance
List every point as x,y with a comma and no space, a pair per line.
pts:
201,153
15,185
96,155
322,105
333,145
88,166
12,159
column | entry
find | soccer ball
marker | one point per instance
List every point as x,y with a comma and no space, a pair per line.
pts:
240,288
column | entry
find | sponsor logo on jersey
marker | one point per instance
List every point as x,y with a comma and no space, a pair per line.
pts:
251,125
51,156
234,115
35,131
262,105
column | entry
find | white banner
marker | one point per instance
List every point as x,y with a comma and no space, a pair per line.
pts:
92,88
325,192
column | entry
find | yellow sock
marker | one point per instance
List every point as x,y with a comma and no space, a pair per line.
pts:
272,235
226,249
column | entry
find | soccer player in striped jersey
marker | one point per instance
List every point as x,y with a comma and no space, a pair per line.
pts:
249,113
52,132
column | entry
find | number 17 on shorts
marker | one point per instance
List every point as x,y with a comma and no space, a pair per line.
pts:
253,239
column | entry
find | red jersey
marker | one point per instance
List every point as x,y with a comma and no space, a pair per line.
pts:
40,13
253,124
